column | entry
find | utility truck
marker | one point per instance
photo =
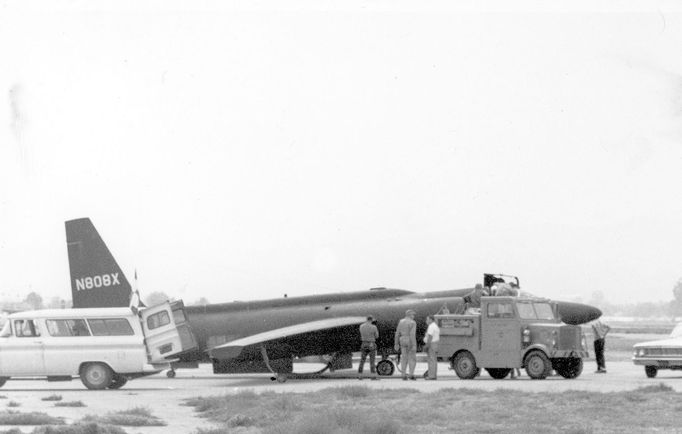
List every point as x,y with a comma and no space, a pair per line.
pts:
508,333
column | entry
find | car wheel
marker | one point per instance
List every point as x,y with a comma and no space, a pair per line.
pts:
464,365
651,371
96,376
538,365
498,373
385,368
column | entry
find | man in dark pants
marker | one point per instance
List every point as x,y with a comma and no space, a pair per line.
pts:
369,335
600,331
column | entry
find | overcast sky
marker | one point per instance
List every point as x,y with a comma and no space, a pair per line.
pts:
242,150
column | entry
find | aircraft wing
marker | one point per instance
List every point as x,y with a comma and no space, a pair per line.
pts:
233,349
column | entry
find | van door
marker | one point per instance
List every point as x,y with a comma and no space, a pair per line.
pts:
166,330
23,352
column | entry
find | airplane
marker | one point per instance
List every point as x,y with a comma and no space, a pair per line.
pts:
267,335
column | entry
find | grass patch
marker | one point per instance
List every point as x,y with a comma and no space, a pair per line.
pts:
14,404
360,409
10,417
69,404
137,416
52,397
79,428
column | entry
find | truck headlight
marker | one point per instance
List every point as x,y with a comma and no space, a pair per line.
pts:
526,335
554,341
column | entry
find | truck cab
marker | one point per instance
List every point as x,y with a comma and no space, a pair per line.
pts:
511,332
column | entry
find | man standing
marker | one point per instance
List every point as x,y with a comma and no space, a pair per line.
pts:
406,343
431,339
600,330
369,335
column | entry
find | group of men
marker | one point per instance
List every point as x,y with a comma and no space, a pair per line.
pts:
405,343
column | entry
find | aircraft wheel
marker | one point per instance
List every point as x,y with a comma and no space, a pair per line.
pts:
651,371
96,376
498,373
538,365
170,373
385,368
569,368
464,365
117,382
281,378
3,380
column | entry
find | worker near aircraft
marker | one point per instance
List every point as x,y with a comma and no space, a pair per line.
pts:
431,340
406,343
369,335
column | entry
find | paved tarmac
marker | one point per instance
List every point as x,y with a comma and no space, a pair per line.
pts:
165,397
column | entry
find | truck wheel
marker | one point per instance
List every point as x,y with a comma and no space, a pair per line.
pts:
3,380
651,371
96,376
117,382
464,365
385,368
498,373
538,365
569,368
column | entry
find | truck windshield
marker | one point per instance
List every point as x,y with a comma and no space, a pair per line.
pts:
544,310
535,311
526,311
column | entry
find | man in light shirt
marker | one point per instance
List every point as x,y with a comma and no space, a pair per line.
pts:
431,340
600,330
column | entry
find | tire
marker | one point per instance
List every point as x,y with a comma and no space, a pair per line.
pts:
170,374
385,368
538,366
464,365
498,373
117,382
651,371
569,368
96,376
3,380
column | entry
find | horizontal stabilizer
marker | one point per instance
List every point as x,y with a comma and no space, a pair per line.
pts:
233,349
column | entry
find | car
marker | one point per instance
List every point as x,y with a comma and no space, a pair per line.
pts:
660,354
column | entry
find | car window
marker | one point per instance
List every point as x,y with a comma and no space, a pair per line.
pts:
67,327
6,330
110,327
25,328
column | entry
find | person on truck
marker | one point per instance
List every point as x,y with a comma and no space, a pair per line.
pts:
406,343
431,340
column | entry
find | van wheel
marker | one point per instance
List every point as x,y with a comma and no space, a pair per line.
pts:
464,365
498,373
569,368
3,380
650,371
538,365
117,382
96,376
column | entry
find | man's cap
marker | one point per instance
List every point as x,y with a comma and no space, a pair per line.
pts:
370,317
410,312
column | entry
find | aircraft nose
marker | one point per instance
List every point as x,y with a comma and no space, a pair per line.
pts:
577,313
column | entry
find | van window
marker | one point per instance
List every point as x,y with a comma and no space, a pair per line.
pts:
157,320
110,327
25,328
67,327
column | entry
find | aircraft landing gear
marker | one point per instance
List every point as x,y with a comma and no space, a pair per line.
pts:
170,373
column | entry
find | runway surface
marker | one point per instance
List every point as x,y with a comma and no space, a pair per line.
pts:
165,397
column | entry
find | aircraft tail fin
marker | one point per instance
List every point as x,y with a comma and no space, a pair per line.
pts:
96,278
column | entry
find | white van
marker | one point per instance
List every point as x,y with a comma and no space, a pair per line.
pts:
106,347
